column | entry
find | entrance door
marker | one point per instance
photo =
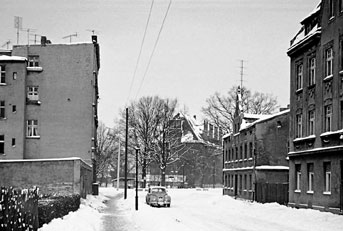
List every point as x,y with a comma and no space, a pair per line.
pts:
236,185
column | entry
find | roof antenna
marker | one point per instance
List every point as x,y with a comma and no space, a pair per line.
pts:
70,36
93,31
7,44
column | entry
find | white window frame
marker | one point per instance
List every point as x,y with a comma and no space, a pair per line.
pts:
327,179
311,122
2,109
2,74
299,76
312,73
32,93
328,118
298,180
328,62
32,128
2,142
310,180
299,126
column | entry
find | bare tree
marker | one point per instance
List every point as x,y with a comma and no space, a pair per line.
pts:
106,150
220,108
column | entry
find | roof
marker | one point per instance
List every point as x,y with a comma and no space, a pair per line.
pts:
313,12
12,58
265,118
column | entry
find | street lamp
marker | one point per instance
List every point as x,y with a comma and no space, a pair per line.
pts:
136,201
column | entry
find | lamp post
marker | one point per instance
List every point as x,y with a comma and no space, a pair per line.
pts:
136,201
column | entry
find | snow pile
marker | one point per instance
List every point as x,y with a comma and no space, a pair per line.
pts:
88,217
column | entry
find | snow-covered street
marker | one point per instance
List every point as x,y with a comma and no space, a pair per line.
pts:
191,209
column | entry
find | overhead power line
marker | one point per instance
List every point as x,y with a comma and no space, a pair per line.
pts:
155,45
140,51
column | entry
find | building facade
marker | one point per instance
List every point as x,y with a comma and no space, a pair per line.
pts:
48,101
254,157
198,164
316,112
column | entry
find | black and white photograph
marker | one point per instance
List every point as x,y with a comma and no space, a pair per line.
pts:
164,115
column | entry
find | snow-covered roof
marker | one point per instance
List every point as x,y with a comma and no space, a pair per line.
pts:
301,38
196,127
313,12
226,135
263,119
12,58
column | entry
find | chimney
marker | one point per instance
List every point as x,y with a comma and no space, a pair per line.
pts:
43,40
94,39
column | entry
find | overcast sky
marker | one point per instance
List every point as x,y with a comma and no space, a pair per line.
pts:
198,53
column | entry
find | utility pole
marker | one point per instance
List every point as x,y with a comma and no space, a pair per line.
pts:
118,167
136,198
126,145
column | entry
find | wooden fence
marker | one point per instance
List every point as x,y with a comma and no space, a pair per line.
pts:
272,192
18,209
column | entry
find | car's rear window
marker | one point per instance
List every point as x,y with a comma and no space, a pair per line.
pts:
156,190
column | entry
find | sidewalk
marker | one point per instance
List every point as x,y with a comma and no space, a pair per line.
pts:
115,218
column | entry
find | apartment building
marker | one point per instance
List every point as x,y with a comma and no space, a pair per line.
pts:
48,101
316,111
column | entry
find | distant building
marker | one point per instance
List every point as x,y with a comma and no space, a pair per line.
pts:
254,157
316,112
200,163
48,101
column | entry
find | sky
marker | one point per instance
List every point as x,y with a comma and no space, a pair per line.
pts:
198,53
191,210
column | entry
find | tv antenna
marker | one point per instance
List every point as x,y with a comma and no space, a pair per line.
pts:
28,30
70,36
35,39
93,31
6,44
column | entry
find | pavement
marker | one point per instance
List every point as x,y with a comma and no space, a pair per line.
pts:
115,218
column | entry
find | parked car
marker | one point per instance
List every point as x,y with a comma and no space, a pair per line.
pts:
157,196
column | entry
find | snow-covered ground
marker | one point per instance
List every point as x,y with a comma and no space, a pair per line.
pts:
197,211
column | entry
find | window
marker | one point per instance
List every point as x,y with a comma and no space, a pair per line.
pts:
251,149
327,180
32,93
32,128
14,75
245,151
331,8
299,76
2,110
327,118
328,62
298,126
14,108
310,177
297,177
13,142
311,122
2,74
341,6
341,44
312,72
245,181
33,61
250,182
2,144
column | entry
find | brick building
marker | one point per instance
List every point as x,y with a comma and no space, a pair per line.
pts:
48,101
254,156
316,113
200,164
